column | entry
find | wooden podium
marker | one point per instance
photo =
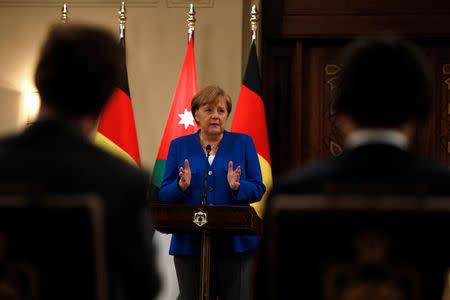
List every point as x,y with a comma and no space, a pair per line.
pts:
205,220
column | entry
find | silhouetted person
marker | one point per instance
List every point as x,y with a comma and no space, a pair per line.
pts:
383,94
77,72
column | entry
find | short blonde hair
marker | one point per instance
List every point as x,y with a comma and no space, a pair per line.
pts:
208,95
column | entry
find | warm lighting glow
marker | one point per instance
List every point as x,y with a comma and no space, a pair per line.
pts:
31,105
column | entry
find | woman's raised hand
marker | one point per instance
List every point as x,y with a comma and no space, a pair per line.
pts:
185,176
233,176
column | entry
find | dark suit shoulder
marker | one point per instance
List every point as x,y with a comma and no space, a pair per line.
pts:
6,142
69,162
306,179
118,168
368,165
432,169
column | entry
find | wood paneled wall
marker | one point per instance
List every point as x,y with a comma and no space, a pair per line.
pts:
301,45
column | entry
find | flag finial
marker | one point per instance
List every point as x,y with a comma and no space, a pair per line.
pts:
254,19
122,18
191,20
64,14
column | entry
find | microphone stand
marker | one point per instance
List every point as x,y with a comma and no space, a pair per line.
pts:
206,242
203,197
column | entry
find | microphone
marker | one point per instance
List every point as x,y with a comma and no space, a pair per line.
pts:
208,150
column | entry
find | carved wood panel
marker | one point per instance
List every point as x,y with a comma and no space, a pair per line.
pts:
432,138
333,137
319,29
323,139
440,61
306,122
295,7
445,111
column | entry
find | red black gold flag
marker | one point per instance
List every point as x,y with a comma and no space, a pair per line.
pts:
250,118
116,131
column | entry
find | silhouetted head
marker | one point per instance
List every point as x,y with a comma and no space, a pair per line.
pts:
78,69
383,83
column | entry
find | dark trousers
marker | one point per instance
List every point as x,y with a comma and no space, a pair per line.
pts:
231,276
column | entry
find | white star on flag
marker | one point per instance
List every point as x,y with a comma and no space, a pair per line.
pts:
186,119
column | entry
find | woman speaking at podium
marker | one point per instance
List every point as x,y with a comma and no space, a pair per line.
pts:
233,178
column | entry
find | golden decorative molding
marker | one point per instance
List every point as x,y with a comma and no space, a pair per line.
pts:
187,3
446,69
332,82
79,3
332,69
447,81
335,148
332,111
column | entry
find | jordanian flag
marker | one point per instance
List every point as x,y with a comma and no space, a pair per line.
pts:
116,131
250,118
180,120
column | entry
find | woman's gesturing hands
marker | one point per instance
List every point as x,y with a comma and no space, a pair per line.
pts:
185,176
233,176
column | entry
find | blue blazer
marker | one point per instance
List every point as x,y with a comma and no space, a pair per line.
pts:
235,147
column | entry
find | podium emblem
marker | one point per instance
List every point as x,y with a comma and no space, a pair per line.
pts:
200,218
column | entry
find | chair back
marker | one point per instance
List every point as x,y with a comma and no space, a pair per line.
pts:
355,246
51,246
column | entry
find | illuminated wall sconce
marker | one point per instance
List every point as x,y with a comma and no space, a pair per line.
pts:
32,103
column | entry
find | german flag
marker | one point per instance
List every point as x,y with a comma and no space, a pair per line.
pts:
250,118
116,131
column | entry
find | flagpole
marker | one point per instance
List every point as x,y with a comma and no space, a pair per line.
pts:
205,261
122,19
191,22
64,14
254,21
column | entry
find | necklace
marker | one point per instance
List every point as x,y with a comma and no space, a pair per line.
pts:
214,147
